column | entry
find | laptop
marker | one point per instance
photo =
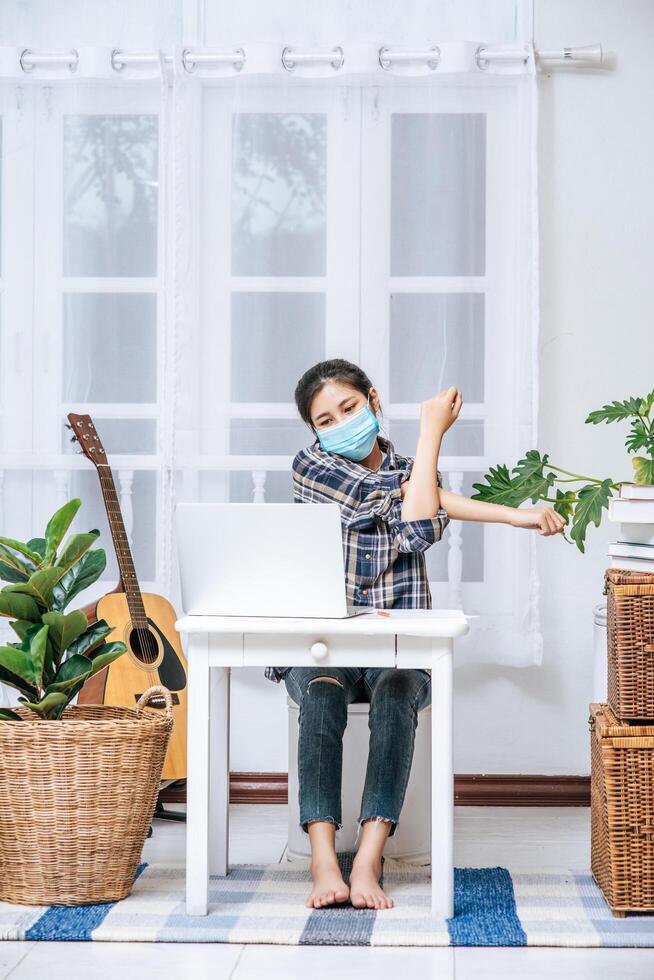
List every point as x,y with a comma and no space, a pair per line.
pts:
262,560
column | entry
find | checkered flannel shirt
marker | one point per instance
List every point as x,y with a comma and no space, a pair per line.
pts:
384,555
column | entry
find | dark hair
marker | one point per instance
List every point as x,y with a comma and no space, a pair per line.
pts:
316,377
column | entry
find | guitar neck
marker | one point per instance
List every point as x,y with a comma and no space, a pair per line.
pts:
121,545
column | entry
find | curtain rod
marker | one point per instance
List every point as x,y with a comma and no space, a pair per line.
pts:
191,60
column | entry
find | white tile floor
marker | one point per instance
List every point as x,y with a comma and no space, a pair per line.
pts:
517,838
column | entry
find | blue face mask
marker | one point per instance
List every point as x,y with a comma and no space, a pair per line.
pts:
353,438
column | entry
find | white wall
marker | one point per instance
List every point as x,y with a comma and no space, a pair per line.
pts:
597,344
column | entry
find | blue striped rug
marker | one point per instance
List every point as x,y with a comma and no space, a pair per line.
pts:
265,904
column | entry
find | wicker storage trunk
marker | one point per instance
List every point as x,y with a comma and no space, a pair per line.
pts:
622,811
630,642
76,801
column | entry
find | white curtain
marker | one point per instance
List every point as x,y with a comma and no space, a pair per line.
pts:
388,216
184,239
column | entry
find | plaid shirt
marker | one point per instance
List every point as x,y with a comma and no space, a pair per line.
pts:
384,555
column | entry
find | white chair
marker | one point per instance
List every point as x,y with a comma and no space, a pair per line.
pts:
411,840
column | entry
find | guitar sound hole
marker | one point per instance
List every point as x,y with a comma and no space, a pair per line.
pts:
143,645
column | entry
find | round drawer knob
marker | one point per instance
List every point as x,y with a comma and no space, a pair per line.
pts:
319,650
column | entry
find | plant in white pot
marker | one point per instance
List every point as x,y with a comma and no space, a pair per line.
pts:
78,784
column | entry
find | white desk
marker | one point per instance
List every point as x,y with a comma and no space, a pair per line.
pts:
404,638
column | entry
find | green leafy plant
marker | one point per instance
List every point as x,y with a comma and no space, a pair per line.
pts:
56,651
535,475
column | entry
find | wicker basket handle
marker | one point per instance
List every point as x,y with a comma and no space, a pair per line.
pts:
157,690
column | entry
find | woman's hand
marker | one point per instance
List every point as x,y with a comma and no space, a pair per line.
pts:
438,413
542,519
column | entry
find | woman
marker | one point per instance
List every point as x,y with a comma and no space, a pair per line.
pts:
392,509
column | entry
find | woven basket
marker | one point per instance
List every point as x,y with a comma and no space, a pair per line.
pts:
77,797
622,811
630,643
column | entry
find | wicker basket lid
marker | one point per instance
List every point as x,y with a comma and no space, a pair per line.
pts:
606,725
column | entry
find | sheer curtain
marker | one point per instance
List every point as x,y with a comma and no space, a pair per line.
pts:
183,238
385,213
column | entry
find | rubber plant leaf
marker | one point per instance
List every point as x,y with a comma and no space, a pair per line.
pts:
18,606
84,573
64,629
58,525
93,635
46,706
39,586
76,546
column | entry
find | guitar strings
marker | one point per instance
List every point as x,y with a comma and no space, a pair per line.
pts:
147,643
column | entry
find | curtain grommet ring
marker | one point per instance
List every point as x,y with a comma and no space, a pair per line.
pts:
339,58
432,63
335,58
30,59
431,58
482,62
288,64
116,63
27,68
188,64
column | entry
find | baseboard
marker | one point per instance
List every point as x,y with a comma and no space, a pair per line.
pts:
469,790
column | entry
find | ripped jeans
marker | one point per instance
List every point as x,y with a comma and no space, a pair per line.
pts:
396,695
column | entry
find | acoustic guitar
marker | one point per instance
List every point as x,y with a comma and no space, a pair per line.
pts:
144,622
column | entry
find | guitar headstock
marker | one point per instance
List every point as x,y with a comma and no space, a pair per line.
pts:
85,434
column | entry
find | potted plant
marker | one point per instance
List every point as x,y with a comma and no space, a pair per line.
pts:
535,475
78,785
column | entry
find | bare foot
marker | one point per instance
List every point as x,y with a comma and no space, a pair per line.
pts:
328,885
365,890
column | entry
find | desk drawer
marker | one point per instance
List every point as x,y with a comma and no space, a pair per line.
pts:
319,650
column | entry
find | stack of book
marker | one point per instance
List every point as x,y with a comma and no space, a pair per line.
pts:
633,511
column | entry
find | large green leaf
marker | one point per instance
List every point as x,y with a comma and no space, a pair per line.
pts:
87,570
20,628
58,525
23,549
93,635
14,568
500,488
46,706
38,650
64,629
617,411
73,671
39,586
644,469
106,655
37,545
19,606
6,714
639,437
76,546
15,680
591,499
22,665
98,660
565,503
533,480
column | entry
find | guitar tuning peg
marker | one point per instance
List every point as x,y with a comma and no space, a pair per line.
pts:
73,438
68,425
